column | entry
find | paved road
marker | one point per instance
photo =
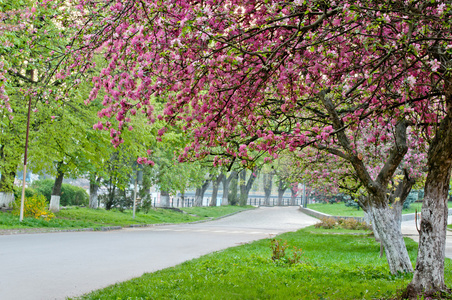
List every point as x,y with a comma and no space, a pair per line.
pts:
409,230
58,265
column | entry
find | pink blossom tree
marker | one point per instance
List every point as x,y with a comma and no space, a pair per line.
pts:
247,76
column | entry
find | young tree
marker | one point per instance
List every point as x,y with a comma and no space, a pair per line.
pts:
32,47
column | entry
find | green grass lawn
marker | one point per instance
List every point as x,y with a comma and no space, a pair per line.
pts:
76,217
332,266
339,209
215,211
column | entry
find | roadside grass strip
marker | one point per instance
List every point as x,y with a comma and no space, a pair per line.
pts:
331,266
77,217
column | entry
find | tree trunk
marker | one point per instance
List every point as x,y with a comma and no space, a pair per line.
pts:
246,187
56,191
164,199
268,183
232,197
293,195
182,199
199,195
6,198
6,189
93,189
428,276
215,184
282,187
242,185
110,198
386,222
226,182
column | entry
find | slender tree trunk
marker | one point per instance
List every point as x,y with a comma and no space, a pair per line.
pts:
242,186
245,186
56,191
226,183
7,176
429,272
182,199
93,190
294,192
6,189
282,187
215,185
164,199
199,195
386,222
268,183
110,198
233,188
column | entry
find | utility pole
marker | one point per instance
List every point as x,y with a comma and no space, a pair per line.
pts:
138,180
22,200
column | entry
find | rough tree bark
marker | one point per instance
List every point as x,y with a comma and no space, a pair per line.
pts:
232,188
182,200
199,195
164,199
215,185
293,193
109,199
56,191
6,189
245,186
428,276
282,187
386,220
7,176
94,184
268,183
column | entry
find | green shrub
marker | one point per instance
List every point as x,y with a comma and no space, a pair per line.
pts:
44,187
29,192
73,195
70,194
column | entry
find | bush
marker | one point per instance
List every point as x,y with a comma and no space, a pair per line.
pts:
354,224
352,203
34,206
348,223
73,195
44,187
70,194
326,223
29,192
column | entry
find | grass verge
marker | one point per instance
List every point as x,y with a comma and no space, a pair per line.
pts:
77,217
215,211
332,267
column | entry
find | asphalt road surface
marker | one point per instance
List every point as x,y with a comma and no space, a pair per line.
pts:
58,265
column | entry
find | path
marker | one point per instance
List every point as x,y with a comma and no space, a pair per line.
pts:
57,265
409,230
